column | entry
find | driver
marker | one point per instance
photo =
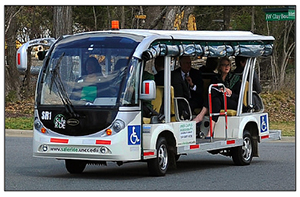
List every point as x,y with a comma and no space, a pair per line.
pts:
92,69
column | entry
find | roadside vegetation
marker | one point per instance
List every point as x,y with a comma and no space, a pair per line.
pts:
279,104
282,111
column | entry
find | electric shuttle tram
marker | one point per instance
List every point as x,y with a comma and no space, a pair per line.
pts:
86,117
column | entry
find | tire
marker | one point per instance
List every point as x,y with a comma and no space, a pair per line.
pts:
75,166
243,155
177,157
159,165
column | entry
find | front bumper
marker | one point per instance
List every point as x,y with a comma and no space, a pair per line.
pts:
113,148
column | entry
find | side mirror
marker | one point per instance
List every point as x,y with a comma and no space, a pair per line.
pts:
148,90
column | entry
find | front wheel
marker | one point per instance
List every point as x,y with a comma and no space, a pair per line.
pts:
243,155
75,166
159,165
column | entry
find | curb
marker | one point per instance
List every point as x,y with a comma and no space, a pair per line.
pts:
284,139
18,133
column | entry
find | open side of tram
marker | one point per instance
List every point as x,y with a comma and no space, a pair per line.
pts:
88,114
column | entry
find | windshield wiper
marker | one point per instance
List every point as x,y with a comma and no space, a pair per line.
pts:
56,79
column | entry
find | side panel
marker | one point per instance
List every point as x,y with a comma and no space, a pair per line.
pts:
233,130
236,125
183,132
151,132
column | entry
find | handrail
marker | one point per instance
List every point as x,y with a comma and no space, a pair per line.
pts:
220,113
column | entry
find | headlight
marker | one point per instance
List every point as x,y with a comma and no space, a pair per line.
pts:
38,125
116,127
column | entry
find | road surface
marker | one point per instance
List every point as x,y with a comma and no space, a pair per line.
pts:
274,170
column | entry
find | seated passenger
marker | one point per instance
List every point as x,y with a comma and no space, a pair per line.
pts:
240,63
187,83
159,67
209,68
121,65
232,84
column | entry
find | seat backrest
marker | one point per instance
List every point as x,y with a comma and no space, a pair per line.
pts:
158,101
121,63
245,100
231,112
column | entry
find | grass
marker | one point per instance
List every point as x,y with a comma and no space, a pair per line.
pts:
25,123
287,128
281,107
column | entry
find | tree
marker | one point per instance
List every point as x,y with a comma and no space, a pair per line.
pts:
188,10
170,17
12,84
33,21
283,49
253,19
209,17
123,17
62,21
138,23
154,16
226,18
164,17
44,21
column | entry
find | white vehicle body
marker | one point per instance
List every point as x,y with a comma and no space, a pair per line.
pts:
125,136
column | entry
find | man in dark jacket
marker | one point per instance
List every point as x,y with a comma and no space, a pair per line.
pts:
159,67
240,63
187,83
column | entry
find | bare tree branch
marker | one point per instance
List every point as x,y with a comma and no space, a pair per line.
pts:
11,17
95,17
158,18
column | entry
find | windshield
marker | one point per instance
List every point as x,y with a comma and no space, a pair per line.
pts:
90,70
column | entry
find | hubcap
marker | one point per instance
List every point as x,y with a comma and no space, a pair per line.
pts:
163,157
247,149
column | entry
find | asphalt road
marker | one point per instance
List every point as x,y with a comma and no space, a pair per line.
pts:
274,170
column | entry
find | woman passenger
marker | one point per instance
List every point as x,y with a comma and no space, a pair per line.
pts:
232,84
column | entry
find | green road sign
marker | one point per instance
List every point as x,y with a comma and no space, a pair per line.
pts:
280,16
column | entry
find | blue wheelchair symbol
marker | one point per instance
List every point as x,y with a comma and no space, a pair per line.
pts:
263,123
134,135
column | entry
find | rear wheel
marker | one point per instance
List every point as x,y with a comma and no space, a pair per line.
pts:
75,166
243,155
159,165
